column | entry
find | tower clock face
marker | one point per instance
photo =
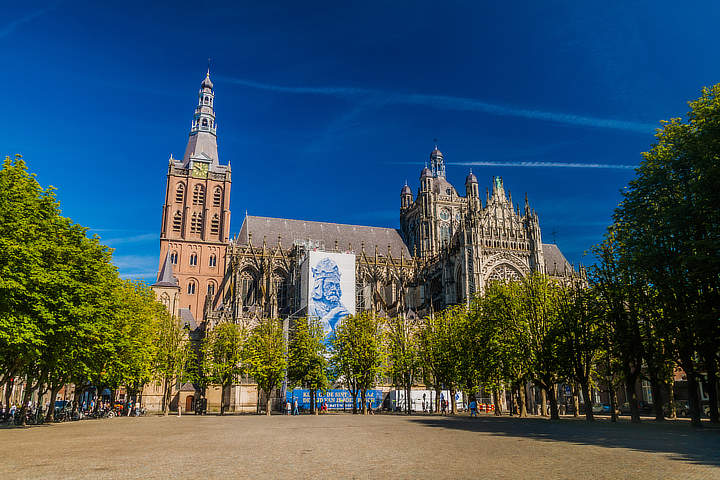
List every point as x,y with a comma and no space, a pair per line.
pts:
200,170
444,215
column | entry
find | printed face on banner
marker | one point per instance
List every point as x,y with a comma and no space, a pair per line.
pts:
331,284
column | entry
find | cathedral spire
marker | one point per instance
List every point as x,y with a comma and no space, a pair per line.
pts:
437,163
202,141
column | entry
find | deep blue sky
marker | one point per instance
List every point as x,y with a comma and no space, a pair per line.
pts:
325,110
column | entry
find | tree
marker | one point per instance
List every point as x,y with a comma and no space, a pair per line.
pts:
538,303
307,362
357,355
402,353
171,356
580,335
222,355
669,224
265,356
504,356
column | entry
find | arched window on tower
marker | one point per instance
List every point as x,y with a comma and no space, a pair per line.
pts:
191,287
215,225
206,101
213,260
174,258
177,221
180,193
198,195
193,259
217,197
211,289
196,223
205,122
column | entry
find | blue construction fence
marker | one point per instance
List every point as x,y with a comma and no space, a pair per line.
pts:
336,399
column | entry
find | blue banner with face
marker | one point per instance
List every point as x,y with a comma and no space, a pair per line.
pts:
336,399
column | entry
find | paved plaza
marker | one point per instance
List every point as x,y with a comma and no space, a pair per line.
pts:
347,446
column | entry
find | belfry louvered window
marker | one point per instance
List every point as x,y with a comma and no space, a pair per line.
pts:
215,225
180,193
196,223
198,195
217,197
177,222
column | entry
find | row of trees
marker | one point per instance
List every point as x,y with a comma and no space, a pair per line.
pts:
650,303
65,315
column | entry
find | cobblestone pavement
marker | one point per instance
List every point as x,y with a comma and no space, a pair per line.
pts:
346,446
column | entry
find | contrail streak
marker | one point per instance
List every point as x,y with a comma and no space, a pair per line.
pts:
14,24
612,166
445,102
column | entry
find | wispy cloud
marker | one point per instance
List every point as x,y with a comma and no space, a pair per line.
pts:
446,102
136,266
145,237
11,26
611,166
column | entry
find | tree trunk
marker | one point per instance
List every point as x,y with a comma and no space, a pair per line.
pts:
576,401
437,401
589,416
634,407
9,385
409,400
497,403
363,395
522,410
693,400
268,401
312,401
50,415
26,398
672,411
354,396
711,387
613,403
656,388
552,396
543,402
166,406
453,405
222,399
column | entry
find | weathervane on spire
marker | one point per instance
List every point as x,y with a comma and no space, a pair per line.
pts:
208,72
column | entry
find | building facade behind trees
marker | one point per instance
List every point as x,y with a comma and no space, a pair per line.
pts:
448,247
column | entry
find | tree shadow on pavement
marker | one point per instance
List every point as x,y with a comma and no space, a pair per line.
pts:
678,439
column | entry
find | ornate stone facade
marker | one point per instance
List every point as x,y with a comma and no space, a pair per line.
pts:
448,248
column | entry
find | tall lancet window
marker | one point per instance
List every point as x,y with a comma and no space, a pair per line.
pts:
215,225
217,197
180,193
198,195
196,223
177,222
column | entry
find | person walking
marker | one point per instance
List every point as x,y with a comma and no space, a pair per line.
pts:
473,408
295,407
287,407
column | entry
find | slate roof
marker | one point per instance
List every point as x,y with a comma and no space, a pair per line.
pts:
186,318
323,233
555,262
165,277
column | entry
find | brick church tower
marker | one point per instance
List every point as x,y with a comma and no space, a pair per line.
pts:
196,213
